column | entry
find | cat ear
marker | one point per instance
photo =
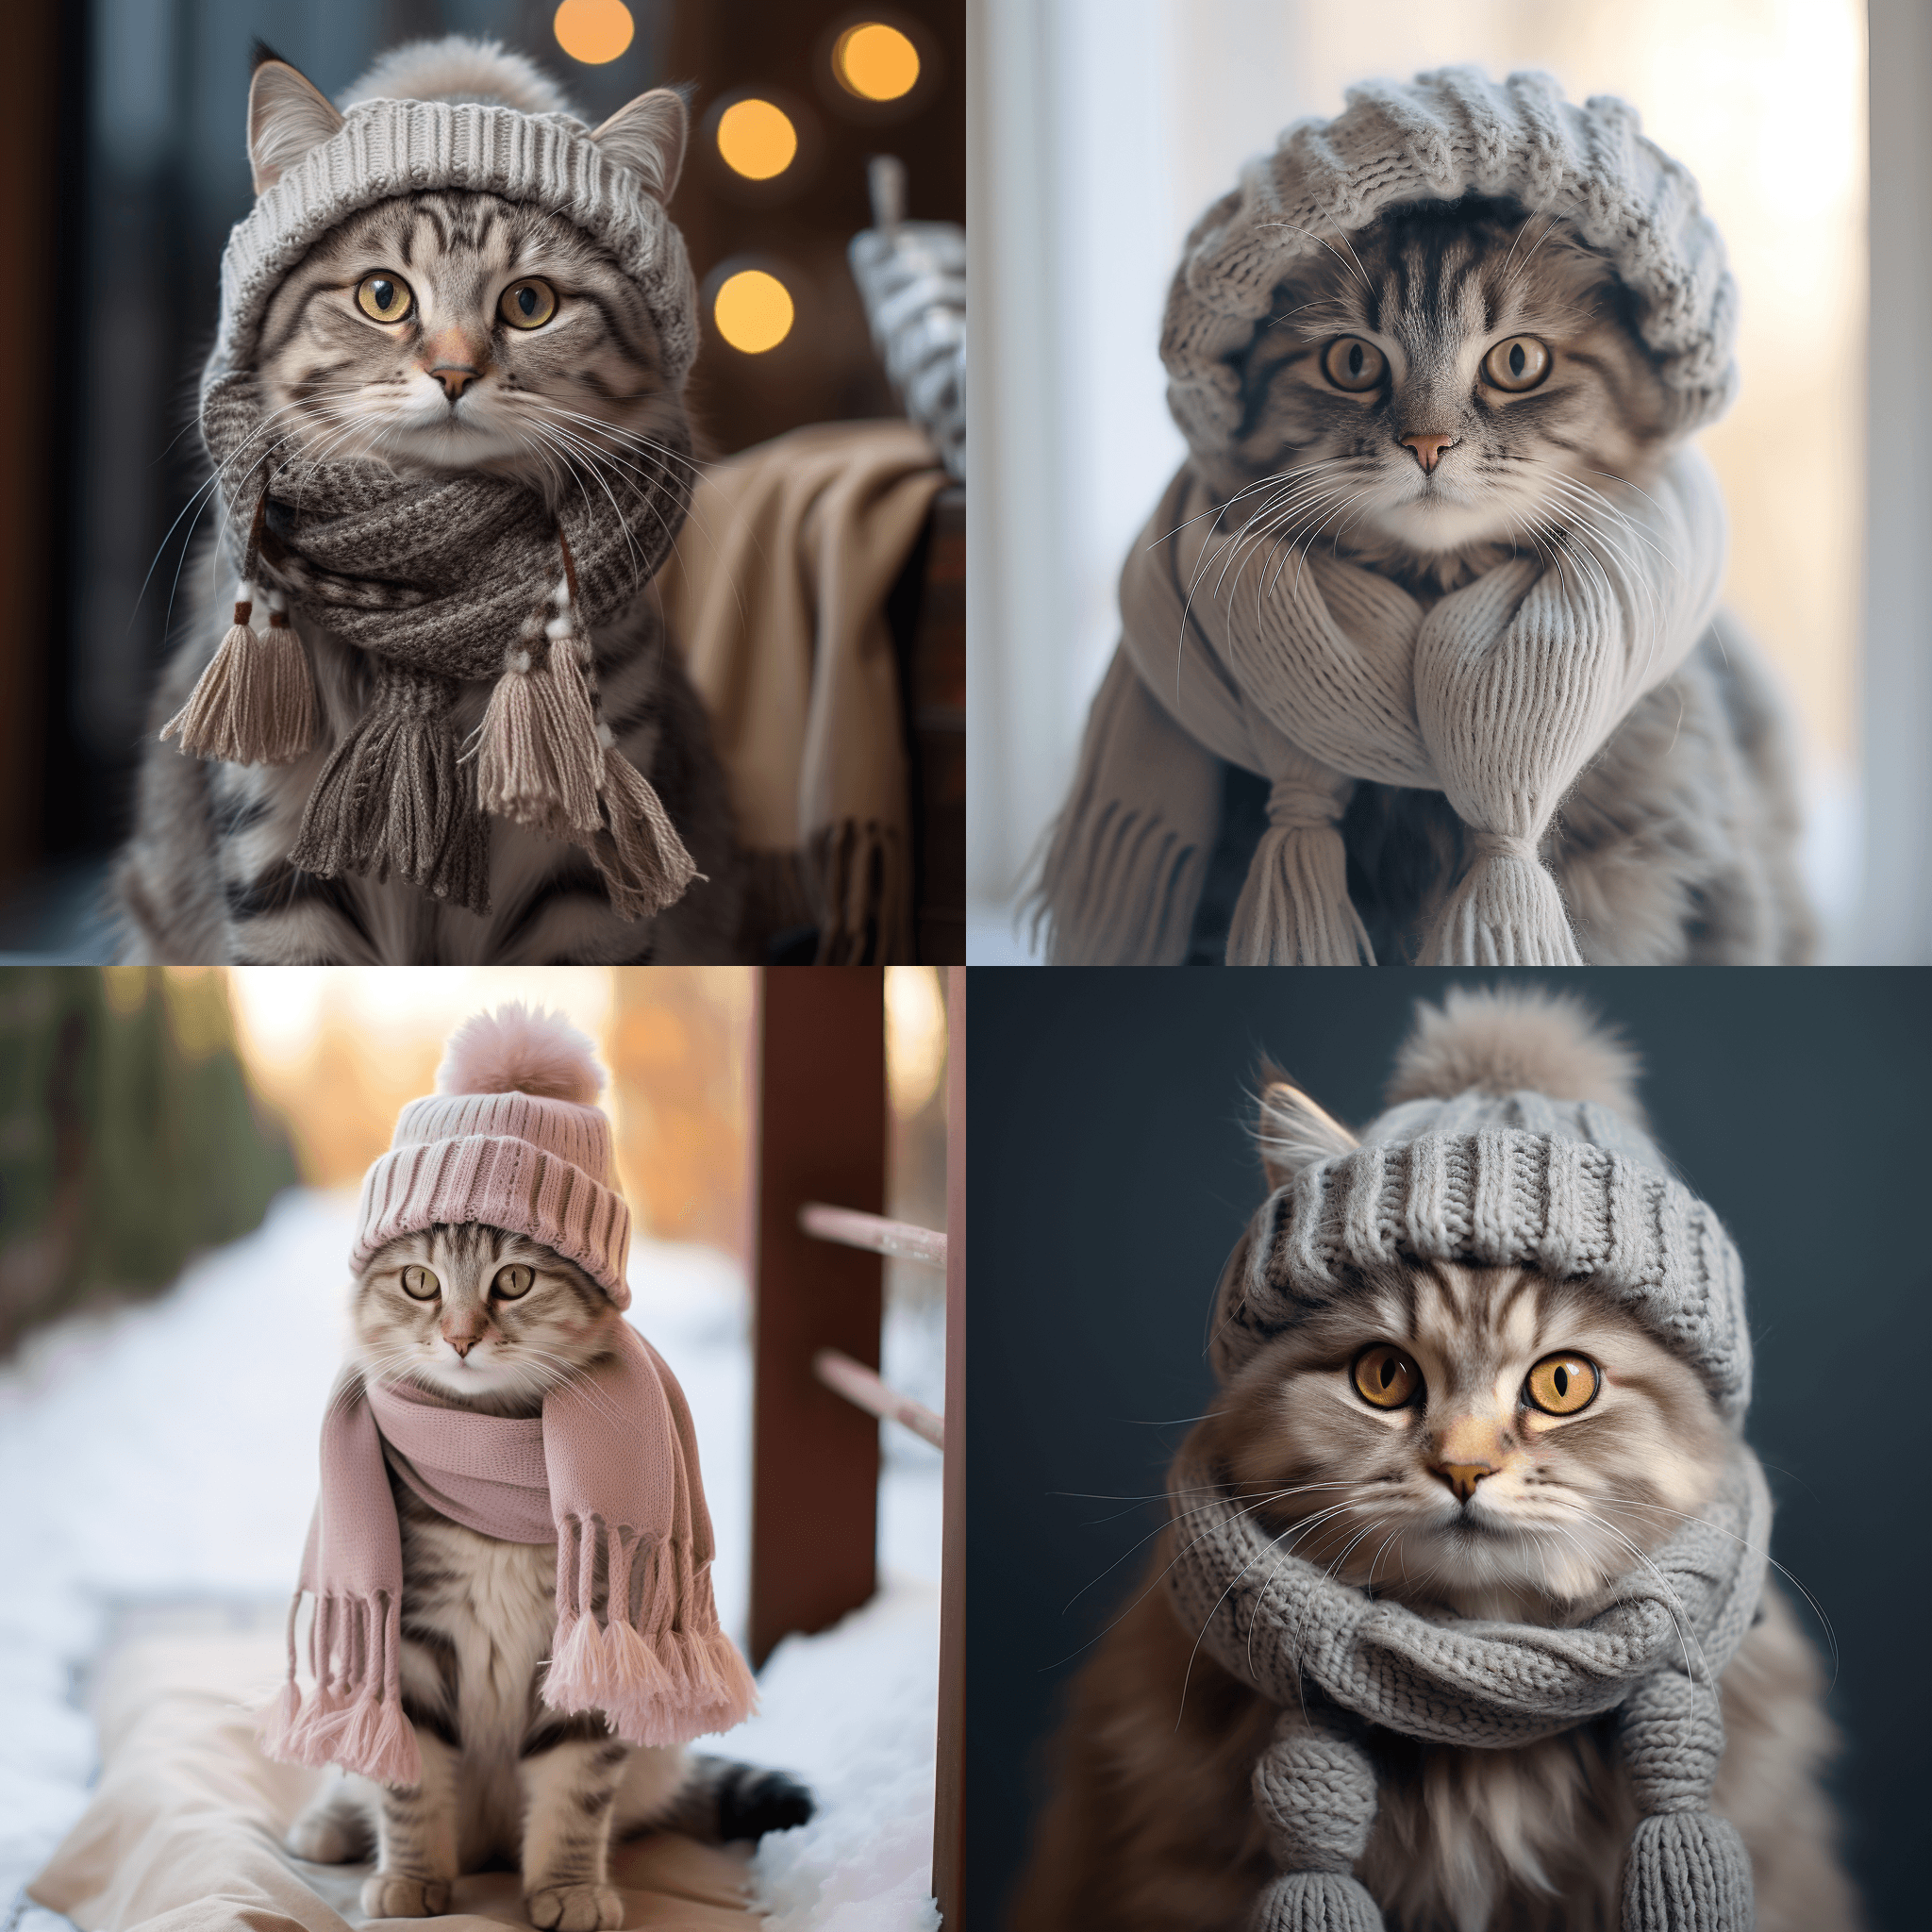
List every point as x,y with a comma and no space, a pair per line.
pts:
286,116
1294,1133
647,138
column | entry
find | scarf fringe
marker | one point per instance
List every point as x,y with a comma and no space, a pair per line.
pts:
354,1716
392,798
1294,908
255,703
1506,911
1120,890
538,761
1687,1871
856,877
655,1684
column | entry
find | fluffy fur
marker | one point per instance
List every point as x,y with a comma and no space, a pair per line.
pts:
1152,1827
520,1050
1678,844
450,386
504,1777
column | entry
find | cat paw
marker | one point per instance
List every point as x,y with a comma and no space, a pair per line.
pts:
754,1802
390,1895
330,1835
574,1909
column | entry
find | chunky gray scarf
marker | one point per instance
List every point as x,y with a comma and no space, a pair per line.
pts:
1654,1652
442,584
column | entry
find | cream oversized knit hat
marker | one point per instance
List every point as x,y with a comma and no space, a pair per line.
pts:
1441,136
510,1139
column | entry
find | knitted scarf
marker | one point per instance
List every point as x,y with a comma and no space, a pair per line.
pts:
1314,674
1654,1652
442,584
609,1472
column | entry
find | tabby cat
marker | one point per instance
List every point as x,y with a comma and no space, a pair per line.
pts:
438,332
1152,1827
1439,389
492,1320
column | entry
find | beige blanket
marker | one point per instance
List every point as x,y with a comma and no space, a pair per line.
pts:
185,1830
776,592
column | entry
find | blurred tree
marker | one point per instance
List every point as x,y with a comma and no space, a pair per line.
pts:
128,1136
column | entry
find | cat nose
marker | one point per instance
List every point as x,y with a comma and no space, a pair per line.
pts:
1428,449
1463,1477
454,377
463,1343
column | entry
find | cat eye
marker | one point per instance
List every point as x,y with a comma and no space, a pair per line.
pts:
421,1284
1354,364
385,298
1386,1377
527,304
1562,1384
1522,362
512,1281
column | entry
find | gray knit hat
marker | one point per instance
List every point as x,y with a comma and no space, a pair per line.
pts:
1570,1186
391,147
1443,136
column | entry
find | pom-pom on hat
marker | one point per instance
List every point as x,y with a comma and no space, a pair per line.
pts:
512,1139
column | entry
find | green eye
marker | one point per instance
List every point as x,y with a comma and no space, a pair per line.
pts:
527,304
421,1284
385,298
512,1281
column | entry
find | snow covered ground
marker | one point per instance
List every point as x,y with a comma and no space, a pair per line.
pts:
166,1452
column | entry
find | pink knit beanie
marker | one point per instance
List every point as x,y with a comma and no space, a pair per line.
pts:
510,1139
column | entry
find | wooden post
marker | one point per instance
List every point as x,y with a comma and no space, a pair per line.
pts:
949,1808
820,1119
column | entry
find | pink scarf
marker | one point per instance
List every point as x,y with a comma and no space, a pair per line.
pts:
609,1473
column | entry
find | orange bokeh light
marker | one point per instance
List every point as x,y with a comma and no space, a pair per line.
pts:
594,31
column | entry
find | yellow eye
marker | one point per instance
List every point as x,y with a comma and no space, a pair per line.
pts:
1354,364
385,298
1522,362
1386,1377
421,1284
511,1282
1562,1384
527,304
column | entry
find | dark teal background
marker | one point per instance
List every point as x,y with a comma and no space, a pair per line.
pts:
1112,1170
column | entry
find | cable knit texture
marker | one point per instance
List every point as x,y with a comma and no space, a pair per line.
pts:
1578,1191
1317,678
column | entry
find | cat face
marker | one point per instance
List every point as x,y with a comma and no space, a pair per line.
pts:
455,331
479,1313
1448,1430
1444,384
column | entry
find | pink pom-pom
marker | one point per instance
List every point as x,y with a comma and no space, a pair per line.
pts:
515,1050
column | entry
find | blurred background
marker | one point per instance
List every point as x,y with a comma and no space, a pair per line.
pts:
123,129
181,1152
1115,1166
1766,101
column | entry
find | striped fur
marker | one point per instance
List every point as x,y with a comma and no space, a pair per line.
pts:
206,876
504,1776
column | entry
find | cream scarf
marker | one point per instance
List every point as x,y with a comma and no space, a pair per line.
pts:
1315,672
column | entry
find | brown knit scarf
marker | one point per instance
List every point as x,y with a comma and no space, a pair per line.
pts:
442,584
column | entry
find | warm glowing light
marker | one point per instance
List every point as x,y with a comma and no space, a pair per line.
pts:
594,31
875,61
915,1036
753,310
756,140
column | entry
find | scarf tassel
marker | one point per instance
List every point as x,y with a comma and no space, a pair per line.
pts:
354,1717
1119,889
1686,1871
863,917
1317,1902
1504,912
645,865
255,703
391,799
1294,908
536,761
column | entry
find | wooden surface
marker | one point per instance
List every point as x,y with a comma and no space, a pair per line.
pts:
928,612
949,1805
820,1114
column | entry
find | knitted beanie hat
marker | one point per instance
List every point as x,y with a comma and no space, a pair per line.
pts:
510,1139
390,147
1445,135
1499,1176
